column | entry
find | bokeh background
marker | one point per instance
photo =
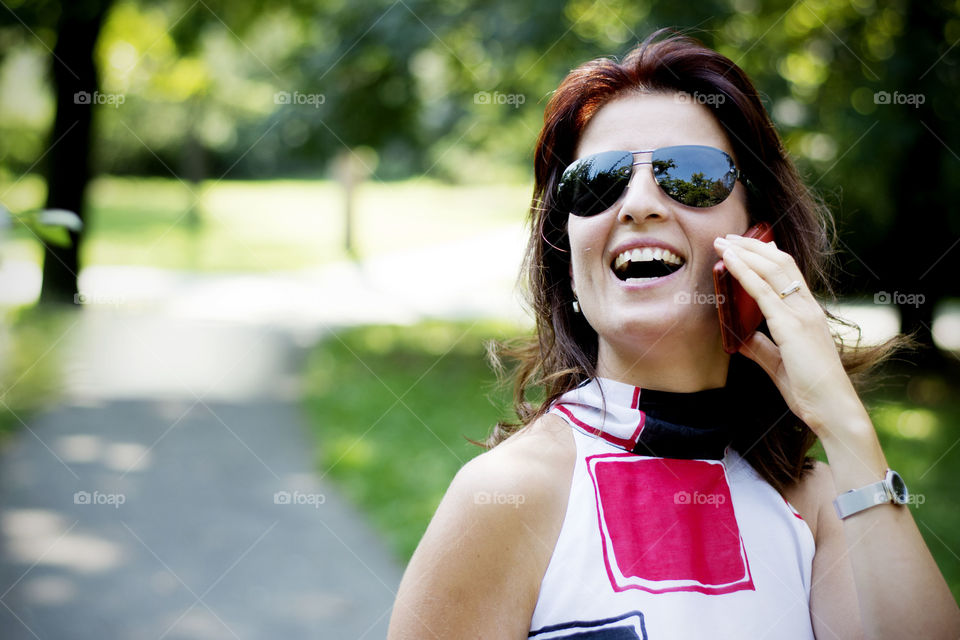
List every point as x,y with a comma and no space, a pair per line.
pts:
235,384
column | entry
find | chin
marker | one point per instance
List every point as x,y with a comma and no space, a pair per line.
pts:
649,325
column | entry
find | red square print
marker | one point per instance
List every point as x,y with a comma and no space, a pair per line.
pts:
668,525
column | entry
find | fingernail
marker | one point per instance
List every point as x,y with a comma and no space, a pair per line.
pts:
723,243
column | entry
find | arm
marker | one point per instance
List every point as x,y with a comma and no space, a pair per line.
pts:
834,610
838,608
897,585
477,571
900,589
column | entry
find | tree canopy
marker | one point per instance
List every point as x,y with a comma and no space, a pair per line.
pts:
864,94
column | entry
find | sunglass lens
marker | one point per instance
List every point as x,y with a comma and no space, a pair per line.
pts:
593,184
693,175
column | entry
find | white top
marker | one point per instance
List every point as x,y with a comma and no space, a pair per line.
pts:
668,548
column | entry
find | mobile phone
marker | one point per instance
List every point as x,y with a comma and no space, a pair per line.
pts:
739,313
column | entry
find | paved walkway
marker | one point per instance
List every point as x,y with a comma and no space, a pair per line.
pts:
191,512
173,492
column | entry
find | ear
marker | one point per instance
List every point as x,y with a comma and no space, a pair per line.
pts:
573,286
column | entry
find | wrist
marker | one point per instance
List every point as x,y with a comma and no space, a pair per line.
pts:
842,417
856,458
851,427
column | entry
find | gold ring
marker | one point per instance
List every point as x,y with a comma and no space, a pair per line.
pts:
793,287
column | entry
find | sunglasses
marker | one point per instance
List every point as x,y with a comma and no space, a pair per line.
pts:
693,175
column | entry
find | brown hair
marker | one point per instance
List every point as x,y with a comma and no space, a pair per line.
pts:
564,351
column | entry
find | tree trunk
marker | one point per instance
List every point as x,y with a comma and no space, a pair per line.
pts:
919,264
68,161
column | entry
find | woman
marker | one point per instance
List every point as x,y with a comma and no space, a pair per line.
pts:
662,488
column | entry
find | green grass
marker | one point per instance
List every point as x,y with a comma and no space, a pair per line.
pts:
30,363
396,459
265,225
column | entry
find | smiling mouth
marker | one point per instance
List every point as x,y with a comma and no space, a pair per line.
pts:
646,263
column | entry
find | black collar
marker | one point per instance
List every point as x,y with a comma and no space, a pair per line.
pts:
697,425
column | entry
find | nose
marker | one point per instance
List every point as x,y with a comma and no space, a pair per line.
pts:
643,198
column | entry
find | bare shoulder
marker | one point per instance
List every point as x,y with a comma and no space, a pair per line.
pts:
547,441
530,465
478,567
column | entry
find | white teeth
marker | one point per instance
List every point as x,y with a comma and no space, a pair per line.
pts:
646,254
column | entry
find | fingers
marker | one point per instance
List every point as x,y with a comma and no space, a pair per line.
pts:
768,250
762,269
749,275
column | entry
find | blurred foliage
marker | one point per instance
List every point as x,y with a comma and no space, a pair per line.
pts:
404,78
863,92
46,225
391,406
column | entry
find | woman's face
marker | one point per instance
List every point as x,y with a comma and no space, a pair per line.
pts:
665,314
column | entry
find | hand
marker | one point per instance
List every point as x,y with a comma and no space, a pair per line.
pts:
802,358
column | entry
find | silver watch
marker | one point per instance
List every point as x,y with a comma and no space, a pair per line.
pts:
891,489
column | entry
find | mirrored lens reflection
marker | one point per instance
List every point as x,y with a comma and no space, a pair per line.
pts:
595,183
694,176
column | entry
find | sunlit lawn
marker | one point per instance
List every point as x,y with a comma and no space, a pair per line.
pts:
391,406
266,225
30,363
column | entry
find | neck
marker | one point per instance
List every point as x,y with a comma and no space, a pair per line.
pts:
682,365
654,423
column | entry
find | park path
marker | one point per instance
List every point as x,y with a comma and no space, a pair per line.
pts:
172,492
187,510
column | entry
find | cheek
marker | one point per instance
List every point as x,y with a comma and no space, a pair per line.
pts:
740,216
734,219
579,271
586,240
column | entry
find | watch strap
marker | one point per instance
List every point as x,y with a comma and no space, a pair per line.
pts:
857,500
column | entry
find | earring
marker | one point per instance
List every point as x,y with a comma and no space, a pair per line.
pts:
576,306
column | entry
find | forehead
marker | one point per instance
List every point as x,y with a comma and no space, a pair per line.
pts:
650,121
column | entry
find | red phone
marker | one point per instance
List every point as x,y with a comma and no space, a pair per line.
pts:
739,313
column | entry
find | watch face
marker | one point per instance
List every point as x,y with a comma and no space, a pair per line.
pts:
899,488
